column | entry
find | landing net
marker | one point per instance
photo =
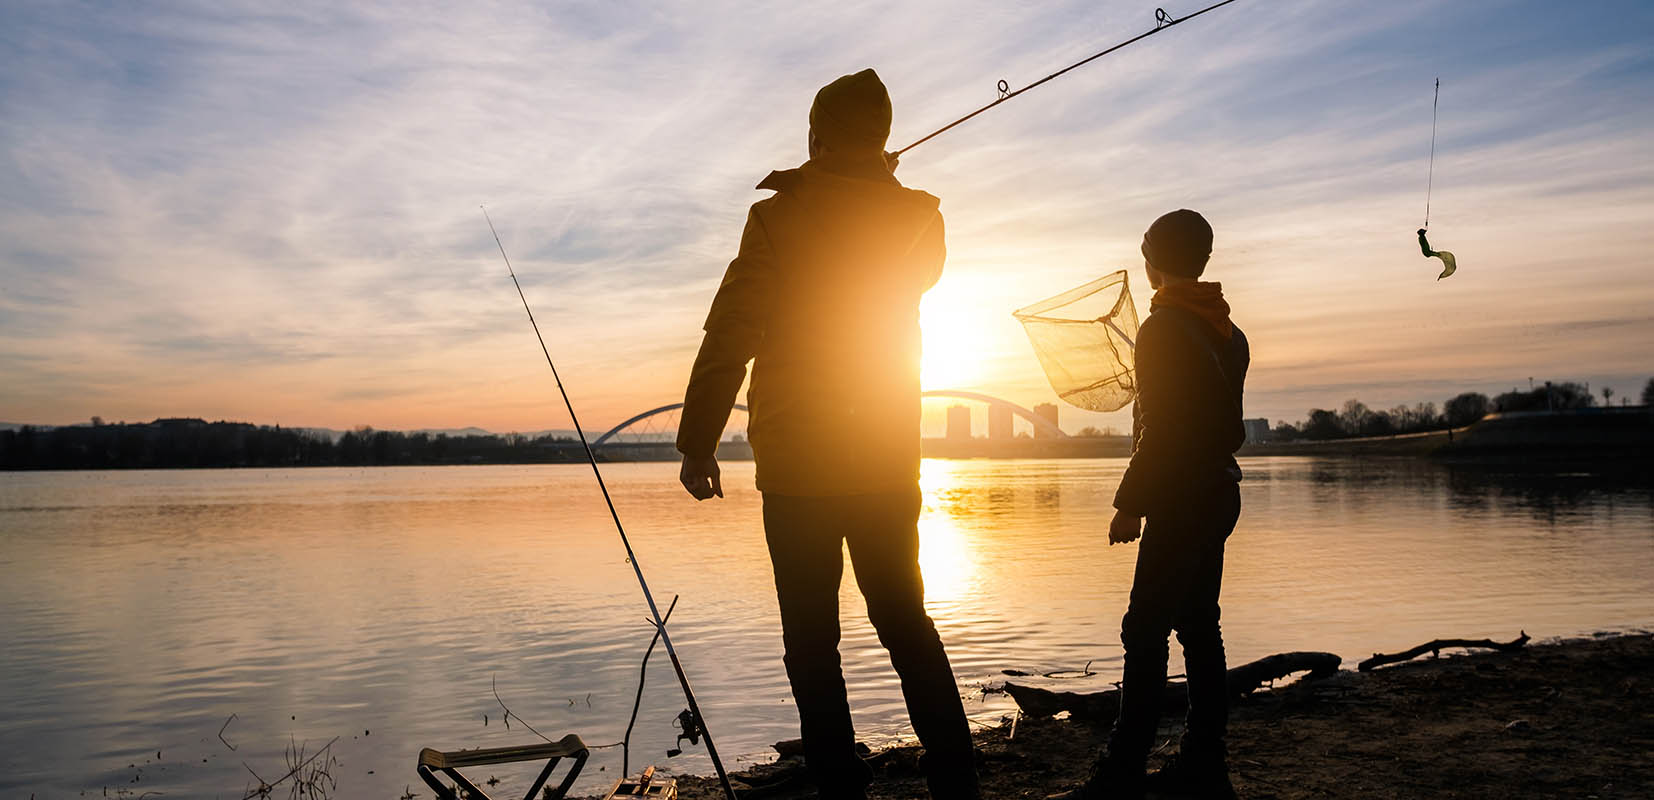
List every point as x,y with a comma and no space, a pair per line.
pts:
1086,340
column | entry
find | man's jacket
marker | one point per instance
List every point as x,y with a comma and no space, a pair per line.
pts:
824,300
1186,423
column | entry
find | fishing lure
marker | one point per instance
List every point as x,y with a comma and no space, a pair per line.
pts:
1449,263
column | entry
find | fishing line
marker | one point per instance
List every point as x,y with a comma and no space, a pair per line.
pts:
631,557
1162,21
1430,184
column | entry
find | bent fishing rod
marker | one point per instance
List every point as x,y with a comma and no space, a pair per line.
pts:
1162,21
631,557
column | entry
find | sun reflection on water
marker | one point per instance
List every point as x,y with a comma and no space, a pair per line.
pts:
946,551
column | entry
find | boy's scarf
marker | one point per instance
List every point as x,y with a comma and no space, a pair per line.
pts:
1204,299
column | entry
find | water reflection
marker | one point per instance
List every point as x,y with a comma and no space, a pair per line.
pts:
1554,498
947,560
1548,496
141,609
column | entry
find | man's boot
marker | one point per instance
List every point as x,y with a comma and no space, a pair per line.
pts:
1194,771
951,776
1107,781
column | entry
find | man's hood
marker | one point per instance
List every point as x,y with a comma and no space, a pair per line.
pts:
865,184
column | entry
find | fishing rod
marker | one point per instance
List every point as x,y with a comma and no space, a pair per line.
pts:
1162,21
699,722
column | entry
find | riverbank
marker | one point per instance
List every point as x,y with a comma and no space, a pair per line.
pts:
1606,438
1565,719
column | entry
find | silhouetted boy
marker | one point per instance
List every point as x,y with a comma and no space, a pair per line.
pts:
824,300
1191,368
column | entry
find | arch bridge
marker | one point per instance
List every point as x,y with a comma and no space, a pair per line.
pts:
1040,423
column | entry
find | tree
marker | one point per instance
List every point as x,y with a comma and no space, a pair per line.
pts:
1355,416
1648,393
1378,423
1550,397
1284,431
1607,395
1323,424
1467,408
1424,416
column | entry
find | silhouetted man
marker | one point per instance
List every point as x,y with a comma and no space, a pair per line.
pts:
1191,368
824,300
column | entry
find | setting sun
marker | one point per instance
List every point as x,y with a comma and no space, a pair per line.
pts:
956,344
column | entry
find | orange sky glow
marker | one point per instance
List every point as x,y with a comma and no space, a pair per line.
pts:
289,233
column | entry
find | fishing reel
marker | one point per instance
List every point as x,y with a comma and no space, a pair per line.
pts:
691,727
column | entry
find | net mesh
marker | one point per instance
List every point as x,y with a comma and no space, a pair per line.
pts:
1085,339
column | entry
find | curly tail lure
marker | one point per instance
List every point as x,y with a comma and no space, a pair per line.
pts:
1449,263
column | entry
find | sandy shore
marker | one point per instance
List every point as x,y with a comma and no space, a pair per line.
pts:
1568,719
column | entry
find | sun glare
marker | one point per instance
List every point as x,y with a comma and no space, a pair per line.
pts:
955,346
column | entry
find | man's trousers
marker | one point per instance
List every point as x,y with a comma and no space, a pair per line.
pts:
806,538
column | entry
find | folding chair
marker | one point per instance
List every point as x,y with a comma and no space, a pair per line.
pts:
570,746
646,787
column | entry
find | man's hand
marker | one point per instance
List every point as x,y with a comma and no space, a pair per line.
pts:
700,477
1125,528
891,161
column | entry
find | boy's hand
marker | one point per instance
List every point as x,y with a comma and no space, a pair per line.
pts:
1125,528
891,161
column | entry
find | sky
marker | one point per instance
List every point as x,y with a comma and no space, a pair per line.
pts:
269,212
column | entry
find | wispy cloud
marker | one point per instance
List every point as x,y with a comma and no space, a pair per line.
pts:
229,210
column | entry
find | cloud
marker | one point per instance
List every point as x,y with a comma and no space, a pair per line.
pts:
277,209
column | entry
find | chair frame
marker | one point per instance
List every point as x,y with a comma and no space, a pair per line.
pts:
432,761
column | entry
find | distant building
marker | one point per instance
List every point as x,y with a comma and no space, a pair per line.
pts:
1047,411
999,422
959,422
1257,430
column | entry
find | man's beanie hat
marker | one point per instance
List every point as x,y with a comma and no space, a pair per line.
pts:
1179,243
852,113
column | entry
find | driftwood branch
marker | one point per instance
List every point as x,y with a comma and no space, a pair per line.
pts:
1436,646
1084,672
1036,702
1243,680
1248,678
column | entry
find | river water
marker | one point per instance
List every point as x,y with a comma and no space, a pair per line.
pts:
140,610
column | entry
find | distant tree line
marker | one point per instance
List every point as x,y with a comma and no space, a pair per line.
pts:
190,442
167,443
1357,419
